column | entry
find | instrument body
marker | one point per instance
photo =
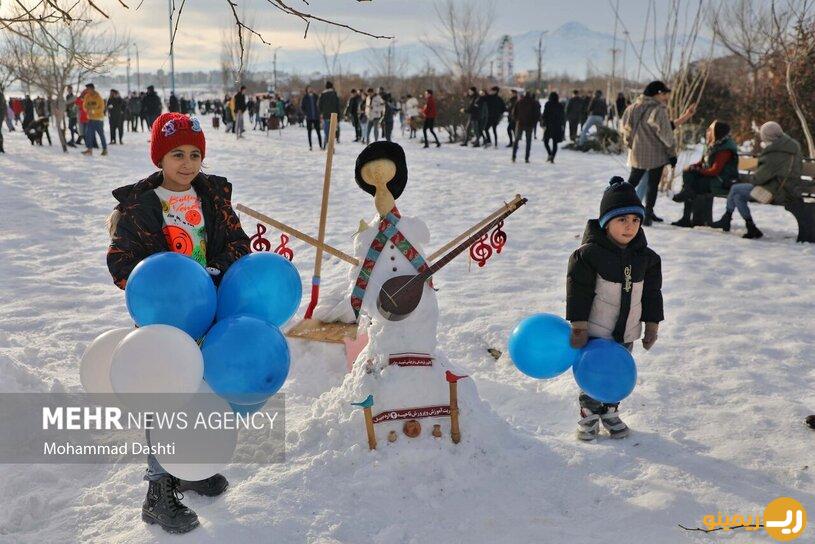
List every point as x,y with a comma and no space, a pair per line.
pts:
401,295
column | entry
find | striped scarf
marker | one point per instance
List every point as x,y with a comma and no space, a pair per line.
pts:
387,231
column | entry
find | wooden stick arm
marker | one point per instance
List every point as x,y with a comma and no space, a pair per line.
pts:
297,234
507,206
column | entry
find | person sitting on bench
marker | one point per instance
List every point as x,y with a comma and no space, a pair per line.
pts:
779,172
716,172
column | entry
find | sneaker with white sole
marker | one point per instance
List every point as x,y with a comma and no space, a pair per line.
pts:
613,424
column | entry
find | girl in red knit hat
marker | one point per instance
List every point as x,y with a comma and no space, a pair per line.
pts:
179,209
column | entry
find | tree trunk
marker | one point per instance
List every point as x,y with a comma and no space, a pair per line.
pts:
59,115
798,111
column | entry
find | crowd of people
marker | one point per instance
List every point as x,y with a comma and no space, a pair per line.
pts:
644,125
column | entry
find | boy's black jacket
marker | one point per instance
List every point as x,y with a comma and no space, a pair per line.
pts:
598,255
139,229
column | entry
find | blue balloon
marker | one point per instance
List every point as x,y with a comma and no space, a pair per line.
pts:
539,346
171,289
605,371
263,285
247,409
246,359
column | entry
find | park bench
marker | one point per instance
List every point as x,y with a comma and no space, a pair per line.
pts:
803,209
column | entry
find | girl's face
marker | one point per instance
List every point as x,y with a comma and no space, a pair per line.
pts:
624,228
181,165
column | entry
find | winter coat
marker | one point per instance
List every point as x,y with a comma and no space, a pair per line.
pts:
496,108
240,102
511,107
116,108
614,289
134,106
3,108
574,108
151,104
374,107
329,103
483,110
173,106
473,107
429,110
138,221
553,120
779,161
621,104
527,112
598,106
648,133
730,171
94,105
411,107
352,108
308,105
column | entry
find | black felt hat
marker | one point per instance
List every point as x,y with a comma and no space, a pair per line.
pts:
383,150
656,87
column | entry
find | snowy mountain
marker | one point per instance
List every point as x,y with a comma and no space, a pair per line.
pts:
572,49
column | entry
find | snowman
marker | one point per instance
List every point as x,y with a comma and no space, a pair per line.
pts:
399,367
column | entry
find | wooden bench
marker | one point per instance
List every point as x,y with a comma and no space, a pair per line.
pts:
802,209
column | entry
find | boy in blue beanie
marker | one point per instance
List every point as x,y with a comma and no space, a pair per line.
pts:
613,286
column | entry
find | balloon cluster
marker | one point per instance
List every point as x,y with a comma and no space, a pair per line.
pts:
243,356
539,347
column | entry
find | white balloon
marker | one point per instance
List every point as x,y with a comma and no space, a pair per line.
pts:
218,445
157,359
94,368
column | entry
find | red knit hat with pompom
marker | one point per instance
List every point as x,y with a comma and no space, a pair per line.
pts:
171,130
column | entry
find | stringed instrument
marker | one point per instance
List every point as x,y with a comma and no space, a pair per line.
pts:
400,295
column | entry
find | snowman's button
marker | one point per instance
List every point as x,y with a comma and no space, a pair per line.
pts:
394,269
393,258
393,247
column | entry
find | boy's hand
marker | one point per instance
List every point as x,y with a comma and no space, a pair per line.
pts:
650,336
580,335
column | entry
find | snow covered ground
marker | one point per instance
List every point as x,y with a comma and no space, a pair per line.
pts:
716,416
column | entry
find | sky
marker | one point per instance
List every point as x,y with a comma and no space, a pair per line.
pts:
198,43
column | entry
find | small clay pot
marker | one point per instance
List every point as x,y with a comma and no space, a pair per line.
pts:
437,431
412,428
392,436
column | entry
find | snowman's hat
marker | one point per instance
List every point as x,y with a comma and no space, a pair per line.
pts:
383,150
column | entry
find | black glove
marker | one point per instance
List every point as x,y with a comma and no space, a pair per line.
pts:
672,161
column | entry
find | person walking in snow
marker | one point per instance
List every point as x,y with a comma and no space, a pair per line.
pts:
329,103
495,112
352,111
513,100
151,106
145,221
429,113
94,105
411,111
311,110
613,285
526,115
116,116
473,111
553,122
574,108
240,108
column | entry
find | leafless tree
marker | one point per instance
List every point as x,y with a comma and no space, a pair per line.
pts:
387,64
238,54
48,57
50,13
464,45
330,44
